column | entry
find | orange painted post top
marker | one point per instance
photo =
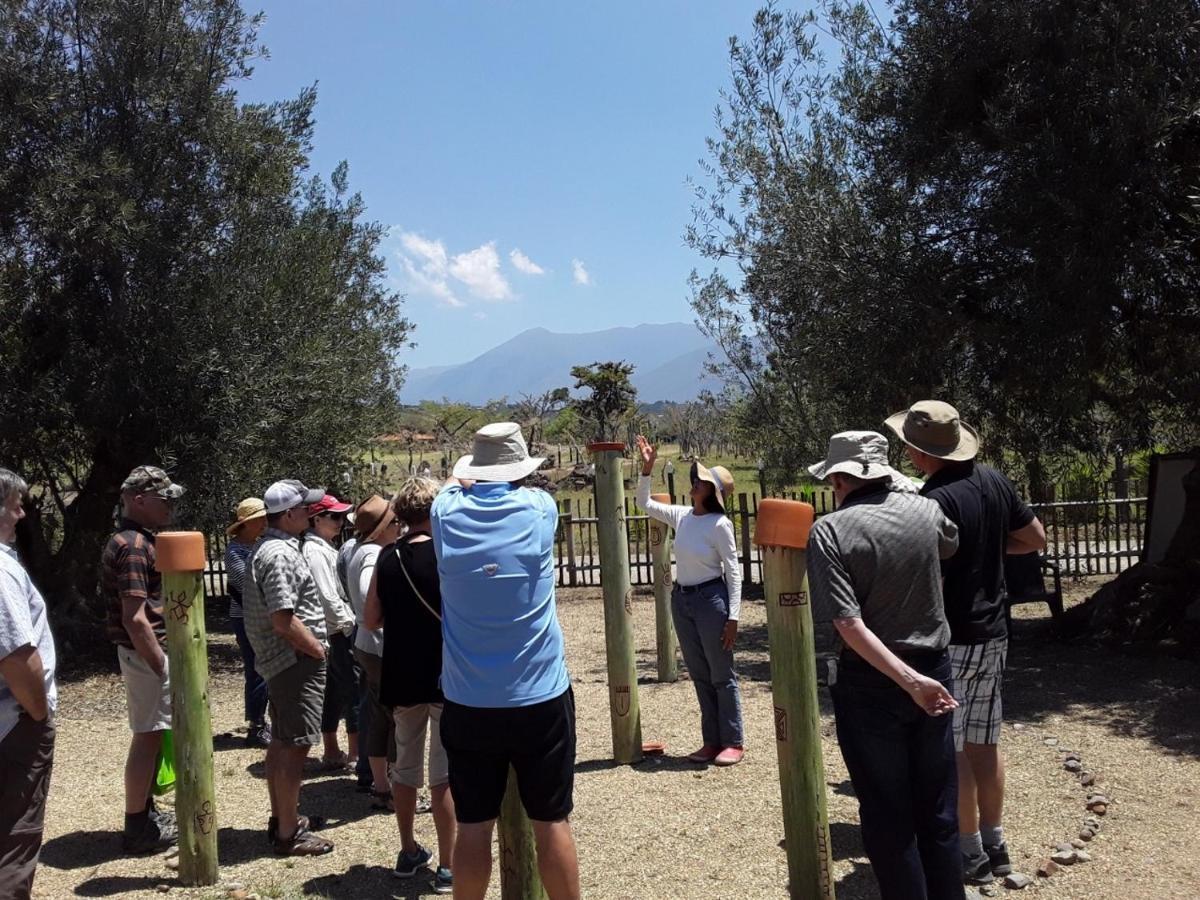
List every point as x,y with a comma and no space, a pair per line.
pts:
597,446
662,498
179,551
783,523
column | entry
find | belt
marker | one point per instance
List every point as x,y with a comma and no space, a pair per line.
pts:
696,588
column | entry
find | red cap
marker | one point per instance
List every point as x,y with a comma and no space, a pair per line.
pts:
328,504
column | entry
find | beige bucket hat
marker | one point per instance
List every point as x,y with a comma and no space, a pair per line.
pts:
499,454
863,454
717,476
934,427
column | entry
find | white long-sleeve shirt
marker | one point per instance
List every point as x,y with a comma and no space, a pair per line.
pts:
360,570
704,545
322,560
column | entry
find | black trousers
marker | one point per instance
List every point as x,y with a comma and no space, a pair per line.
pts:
26,758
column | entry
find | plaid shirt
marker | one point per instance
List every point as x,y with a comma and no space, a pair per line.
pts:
127,572
278,579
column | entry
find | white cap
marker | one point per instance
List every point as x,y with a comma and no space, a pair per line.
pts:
289,493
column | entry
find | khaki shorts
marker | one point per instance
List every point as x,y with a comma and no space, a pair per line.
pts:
411,724
295,697
147,696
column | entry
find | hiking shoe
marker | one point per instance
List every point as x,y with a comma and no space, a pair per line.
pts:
423,803
705,754
164,817
998,857
977,869
151,837
409,864
443,881
259,736
730,756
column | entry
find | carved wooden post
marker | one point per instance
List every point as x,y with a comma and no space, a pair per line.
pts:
519,879
782,536
667,643
180,557
624,712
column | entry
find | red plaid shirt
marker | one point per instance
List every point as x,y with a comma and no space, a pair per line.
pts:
127,572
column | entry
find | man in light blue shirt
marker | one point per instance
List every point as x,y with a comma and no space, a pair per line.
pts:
504,675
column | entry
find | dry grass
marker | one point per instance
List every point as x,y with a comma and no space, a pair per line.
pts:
666,829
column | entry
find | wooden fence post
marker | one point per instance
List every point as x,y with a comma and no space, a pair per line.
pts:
744,510
624,712
569,528
181,558
666,641
782,536
519,879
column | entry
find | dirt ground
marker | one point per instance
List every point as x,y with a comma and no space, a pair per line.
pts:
669,829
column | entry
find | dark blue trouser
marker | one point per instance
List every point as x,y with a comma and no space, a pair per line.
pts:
700,617
901,763
255,689
341,686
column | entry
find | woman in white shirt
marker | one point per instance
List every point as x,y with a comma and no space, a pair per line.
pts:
705,602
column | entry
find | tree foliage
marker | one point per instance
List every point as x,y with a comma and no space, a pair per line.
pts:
992,203
173,289
609,400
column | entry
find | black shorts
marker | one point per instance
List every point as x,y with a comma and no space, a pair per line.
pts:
538,741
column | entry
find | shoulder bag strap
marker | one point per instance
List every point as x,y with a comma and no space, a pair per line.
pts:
408,578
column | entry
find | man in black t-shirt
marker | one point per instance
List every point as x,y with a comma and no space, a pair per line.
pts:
992,520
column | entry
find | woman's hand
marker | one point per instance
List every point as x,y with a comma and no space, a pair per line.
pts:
729,634
649,454
931,695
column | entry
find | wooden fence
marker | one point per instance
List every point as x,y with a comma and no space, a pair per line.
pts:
1085,537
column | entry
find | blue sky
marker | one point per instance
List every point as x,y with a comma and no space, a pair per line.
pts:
530,158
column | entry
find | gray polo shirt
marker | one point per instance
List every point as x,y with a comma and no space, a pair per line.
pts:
877,558
278,579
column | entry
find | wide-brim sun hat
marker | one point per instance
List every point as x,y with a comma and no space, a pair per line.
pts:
717,476
934,427
498,454
249,509
862,454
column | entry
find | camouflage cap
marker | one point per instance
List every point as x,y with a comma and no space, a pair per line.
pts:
151,480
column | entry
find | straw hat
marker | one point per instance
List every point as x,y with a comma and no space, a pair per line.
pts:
250,508
499,454
371,517
934,427
718,477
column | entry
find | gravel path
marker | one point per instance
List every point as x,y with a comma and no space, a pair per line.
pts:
667,829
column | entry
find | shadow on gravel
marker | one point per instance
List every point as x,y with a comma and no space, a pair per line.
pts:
81,850
118,885
369,881
1156,698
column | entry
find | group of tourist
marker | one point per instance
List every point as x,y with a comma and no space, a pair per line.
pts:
432,633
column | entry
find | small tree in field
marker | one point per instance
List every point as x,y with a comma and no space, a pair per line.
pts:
609,401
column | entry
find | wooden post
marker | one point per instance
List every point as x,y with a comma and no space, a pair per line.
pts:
747,558
624,712
660,553
180,557
519,879
781,533
569,529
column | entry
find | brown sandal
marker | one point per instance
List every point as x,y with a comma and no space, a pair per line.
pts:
302,843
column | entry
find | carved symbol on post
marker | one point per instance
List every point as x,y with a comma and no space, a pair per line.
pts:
823,855
622,697
508,863
799,598
781,724
180,605
656,536
629,600
205,818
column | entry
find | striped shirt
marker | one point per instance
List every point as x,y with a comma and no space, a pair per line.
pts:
236,555
127,573
877,557
278,579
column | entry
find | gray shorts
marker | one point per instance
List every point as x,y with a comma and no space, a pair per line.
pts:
147,697
977,670
296,696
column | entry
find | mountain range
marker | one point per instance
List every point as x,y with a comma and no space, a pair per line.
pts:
668,359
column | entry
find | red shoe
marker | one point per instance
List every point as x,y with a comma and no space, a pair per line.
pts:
705,754
730,756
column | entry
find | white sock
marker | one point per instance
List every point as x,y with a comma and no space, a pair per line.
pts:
971,844
992,835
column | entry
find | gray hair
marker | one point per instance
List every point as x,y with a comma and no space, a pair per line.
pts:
11,483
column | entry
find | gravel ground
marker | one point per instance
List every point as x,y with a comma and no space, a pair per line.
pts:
667,829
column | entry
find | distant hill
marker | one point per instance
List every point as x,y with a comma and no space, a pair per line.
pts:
669,362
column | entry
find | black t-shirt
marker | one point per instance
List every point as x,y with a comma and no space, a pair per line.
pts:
412,635
986,508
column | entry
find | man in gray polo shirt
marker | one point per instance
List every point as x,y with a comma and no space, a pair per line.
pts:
873,569
285,623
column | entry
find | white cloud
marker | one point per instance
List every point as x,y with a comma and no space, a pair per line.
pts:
479,270
428,268
579,273
523,263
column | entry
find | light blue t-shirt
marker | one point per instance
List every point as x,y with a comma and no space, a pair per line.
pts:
502,644
23,622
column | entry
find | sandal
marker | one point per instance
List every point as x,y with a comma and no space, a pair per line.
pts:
302,843
382,800
308,823
339,763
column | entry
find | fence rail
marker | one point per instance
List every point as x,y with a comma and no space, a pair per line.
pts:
1084,537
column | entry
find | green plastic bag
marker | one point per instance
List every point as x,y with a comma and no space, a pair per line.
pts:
164,775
